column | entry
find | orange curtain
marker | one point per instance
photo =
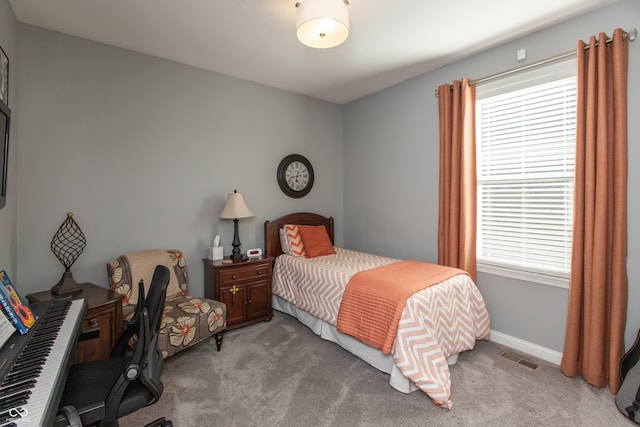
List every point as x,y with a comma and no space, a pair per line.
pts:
457,217
594,342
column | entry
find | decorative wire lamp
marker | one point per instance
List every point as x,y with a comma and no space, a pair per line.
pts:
67,245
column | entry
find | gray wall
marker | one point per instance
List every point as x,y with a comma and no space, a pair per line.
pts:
391,159
143,151
8,231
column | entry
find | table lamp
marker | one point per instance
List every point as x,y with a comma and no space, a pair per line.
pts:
235,208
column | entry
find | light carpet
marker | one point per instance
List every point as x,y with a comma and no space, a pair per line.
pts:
279,373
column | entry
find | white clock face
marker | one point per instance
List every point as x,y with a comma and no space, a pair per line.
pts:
297,176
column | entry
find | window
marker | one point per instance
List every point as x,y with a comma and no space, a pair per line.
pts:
526,155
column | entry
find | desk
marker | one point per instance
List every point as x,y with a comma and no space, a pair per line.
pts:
101,325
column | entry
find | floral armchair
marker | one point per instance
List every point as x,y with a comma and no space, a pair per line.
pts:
187,320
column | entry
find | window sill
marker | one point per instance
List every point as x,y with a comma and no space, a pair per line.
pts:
542,279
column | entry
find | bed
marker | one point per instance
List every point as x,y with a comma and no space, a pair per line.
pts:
434,326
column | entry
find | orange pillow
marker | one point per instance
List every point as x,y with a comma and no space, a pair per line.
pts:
316,241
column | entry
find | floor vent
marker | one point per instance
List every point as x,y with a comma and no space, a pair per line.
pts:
518,359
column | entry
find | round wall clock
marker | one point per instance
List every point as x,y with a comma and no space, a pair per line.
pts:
295,175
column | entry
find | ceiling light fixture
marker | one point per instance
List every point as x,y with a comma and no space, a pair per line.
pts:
322,23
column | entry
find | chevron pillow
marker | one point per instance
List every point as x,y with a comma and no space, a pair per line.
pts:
292,240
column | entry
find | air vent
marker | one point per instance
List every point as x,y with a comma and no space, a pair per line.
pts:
518,359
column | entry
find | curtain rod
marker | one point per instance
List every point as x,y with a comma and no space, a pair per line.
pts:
631,35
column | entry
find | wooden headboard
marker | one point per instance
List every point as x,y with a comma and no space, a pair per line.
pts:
272,234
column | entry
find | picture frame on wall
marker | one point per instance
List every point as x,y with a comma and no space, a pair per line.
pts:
4,77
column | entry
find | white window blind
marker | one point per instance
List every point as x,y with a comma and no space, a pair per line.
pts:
526,155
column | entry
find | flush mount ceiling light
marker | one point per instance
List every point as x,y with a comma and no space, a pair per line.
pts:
322,23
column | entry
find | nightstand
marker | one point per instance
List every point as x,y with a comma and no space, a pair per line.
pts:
101,325
245,287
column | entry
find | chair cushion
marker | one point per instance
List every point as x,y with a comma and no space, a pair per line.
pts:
90,383
188,320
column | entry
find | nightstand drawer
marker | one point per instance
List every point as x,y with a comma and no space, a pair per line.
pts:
240,275
95,341
100,321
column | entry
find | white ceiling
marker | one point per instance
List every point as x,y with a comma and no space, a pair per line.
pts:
389,41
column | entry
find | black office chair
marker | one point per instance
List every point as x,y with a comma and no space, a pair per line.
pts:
97,393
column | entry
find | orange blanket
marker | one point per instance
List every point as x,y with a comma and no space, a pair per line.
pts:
374,299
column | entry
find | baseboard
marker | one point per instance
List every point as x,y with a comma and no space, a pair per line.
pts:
536,350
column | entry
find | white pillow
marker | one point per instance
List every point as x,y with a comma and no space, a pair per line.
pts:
285,245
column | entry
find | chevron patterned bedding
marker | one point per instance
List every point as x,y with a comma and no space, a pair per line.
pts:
437,322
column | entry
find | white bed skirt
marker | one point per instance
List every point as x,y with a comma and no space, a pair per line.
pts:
327,331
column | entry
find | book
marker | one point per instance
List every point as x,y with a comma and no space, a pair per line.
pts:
6,329
14,306
10,313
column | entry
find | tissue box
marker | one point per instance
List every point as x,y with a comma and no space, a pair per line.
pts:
215,253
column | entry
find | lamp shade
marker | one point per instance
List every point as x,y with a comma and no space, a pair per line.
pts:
322,23
236,207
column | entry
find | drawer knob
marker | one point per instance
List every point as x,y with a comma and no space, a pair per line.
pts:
259,273
233,277
93,322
